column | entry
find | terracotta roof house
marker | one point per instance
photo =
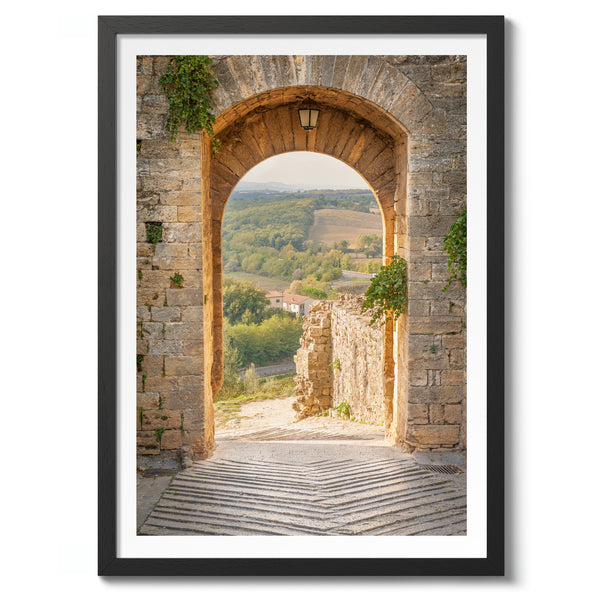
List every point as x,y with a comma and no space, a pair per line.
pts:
291,302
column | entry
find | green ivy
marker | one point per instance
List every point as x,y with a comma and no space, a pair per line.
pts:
154,233
188,83
158,433
177,280
388,292
455,244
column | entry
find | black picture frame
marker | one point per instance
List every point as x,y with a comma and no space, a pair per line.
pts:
109,27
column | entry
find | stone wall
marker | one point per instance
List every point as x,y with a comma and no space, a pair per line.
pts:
341,360
357,349
313,362
400,121
170,380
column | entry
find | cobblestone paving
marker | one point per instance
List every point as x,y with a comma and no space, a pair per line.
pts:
319,486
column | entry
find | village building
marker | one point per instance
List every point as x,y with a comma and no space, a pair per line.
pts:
290,302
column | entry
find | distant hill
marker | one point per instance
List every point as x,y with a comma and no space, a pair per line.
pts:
278,186
270,186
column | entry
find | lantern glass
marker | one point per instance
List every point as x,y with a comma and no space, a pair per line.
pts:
308,117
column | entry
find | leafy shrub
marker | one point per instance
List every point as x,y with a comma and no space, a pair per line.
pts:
251,380
343,409
455,244
274,339
388,292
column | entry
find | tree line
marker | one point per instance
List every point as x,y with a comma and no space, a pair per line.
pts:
264,235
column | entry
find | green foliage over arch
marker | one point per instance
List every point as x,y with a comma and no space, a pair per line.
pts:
388,292
188,83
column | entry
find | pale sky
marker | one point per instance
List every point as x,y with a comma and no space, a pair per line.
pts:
306,168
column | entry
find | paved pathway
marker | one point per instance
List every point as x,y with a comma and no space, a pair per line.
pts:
293,481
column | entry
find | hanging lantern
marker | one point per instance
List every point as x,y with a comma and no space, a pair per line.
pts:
309,114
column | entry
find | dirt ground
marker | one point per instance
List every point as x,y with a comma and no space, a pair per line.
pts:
278,412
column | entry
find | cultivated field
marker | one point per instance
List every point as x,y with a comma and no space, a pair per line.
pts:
266,283
333,225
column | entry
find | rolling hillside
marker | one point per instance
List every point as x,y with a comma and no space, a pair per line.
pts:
334,224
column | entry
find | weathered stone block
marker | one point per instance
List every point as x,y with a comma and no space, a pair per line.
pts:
165,314
434,325
183,365
453,377
157,419
192,314
183,331
453,341
457,358
189,214
191,382
417,414
432,434
182,232
165,347
160,384
193,347
184,297
436,414
147,401
192,184
178,264
179,400
441,394
173,439
147,443
418,308
453,414
182,198
158,148
417,377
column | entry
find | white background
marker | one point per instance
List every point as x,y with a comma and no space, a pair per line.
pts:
48,248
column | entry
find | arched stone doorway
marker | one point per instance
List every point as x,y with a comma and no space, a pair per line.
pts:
355,131
401,123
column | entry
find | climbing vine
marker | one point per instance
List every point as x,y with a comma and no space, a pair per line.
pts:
388,292
188,83
455,244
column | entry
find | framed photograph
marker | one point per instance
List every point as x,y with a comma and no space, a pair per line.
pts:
283,248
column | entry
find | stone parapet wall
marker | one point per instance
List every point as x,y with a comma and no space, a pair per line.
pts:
340,360
313,362
357,349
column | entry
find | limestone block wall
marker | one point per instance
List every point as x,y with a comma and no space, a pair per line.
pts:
357,349
170,414
313,362
341,360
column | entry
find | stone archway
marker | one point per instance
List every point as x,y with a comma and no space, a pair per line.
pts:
355,131
400,121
